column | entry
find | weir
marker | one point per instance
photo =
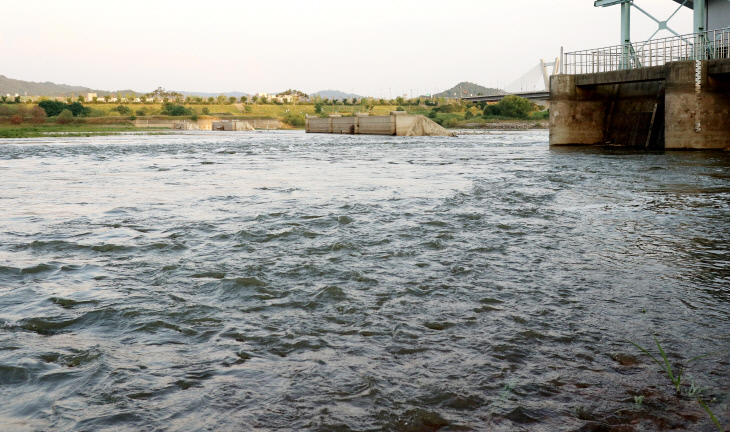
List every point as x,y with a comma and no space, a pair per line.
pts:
397,123
671,93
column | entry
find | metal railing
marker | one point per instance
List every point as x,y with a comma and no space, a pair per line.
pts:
709,45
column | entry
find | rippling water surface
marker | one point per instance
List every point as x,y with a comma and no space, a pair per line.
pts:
284,281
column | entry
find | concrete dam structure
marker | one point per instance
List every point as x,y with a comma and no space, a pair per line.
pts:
680,105
398,123
671,93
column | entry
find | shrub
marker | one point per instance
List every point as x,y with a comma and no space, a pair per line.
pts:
450,122
400,108
296,120
450,108
468,114
540,115
194,117
38,114
175,110
432,114
206,111
133,117
140,112
123,110
65,117
16,119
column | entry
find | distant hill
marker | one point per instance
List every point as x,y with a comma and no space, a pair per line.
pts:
335,94
466,89
13,86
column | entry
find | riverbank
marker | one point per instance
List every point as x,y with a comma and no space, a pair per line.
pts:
60,130
103,118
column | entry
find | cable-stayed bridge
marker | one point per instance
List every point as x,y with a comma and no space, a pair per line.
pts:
533,85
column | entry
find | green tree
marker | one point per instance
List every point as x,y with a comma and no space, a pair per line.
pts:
52,108
516,107
231,100
244,99
221,99
211,100
264,100
254,99
78,110
95,99
107,98
206,111
17,99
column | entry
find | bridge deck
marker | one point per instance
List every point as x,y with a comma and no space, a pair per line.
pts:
542,96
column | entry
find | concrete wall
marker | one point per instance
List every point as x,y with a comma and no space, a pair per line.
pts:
344,125
403,124
318,125
263,123
377,125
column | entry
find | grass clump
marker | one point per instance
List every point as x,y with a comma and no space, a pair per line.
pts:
675,376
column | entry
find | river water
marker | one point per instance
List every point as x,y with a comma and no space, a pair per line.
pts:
285,281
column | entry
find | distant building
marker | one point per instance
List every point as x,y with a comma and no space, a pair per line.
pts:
90,97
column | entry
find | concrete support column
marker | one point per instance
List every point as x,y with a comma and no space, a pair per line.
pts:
577,115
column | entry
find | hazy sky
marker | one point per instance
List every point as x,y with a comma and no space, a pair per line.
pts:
370,47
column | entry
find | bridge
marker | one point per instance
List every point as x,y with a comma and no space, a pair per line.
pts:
533,85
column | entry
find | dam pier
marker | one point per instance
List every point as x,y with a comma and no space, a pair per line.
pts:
671,93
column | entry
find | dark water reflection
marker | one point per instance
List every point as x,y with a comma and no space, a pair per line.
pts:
284,281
